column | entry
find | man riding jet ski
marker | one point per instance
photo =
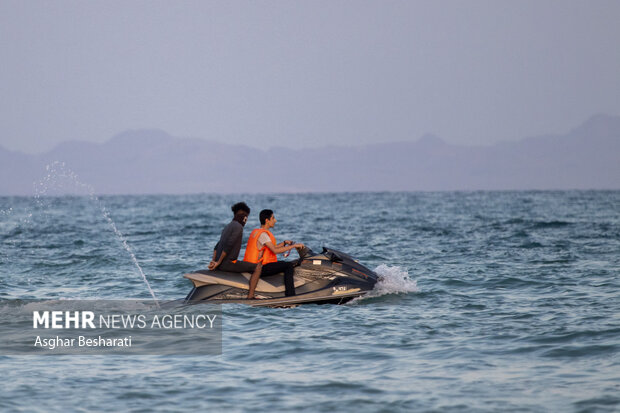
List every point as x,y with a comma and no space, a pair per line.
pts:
329,277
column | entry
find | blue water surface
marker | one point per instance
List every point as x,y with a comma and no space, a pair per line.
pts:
490,301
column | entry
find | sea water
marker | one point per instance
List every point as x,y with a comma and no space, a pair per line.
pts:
489,301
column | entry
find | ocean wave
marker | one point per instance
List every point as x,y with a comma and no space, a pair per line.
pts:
551,224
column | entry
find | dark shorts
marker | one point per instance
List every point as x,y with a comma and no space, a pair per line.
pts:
286,267
278,267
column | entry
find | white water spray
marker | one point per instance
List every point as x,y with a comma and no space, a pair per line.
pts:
393,280
60,170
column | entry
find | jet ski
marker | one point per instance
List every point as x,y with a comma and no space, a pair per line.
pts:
331,277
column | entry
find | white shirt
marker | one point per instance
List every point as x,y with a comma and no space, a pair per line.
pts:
262,240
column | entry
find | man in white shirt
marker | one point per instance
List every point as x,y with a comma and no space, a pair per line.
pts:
263,248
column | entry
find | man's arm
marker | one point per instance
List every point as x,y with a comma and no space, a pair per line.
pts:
214,264
227,241
279,249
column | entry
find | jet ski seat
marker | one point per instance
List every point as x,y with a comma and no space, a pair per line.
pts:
270,284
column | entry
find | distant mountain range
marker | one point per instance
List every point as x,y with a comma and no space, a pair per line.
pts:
153,162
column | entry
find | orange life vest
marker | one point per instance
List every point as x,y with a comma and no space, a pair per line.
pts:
252,252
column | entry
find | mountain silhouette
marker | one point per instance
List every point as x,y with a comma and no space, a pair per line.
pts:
153,162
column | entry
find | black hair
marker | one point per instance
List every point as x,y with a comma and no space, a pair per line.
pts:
240,206
264,215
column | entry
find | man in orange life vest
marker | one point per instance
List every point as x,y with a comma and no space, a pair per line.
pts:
262,248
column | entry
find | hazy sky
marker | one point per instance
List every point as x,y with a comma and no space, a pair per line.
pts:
302,73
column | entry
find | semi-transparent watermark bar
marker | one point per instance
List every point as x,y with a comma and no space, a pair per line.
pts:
132,327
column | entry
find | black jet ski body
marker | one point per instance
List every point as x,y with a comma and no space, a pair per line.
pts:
329,277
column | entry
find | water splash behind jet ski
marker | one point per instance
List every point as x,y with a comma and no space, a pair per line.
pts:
329,277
